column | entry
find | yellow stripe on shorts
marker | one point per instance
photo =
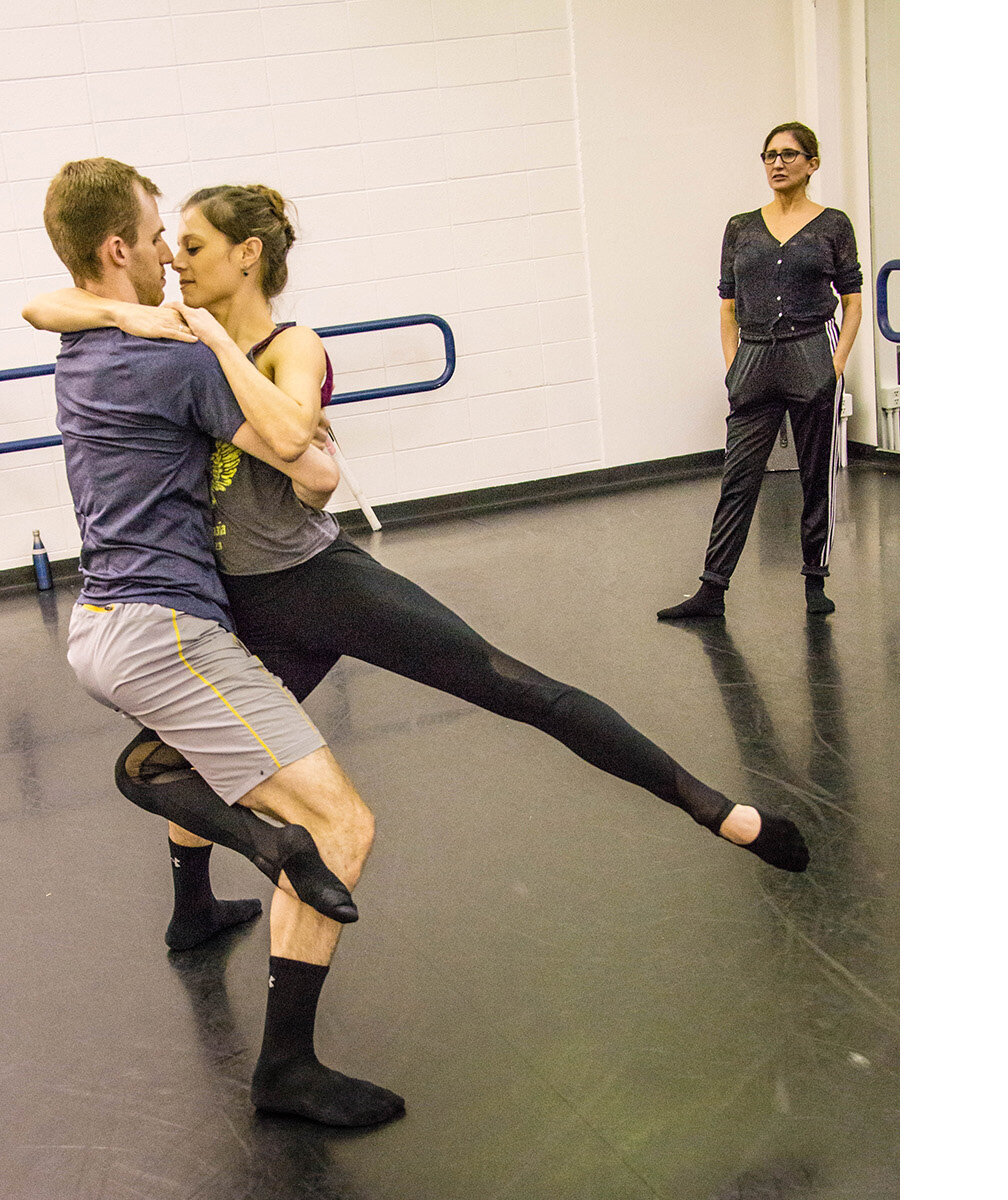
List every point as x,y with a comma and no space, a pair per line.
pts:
230,707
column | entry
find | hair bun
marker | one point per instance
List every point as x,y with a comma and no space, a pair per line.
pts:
278,206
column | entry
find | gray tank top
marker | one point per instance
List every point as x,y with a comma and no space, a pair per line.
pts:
259,523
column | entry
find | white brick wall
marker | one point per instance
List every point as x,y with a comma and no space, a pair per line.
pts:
430,147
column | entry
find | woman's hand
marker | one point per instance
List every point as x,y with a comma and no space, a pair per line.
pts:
142,320
205,326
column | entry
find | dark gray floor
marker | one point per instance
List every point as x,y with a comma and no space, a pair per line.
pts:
582,995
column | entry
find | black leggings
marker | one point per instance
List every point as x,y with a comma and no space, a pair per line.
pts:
300,620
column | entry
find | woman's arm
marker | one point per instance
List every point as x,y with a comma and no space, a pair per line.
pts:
69,310
284,411
315,474
849,321
729,332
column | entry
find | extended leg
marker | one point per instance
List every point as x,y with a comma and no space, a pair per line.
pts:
159,780
345,599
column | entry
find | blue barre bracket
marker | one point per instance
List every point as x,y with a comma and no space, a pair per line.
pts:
882,300
398,389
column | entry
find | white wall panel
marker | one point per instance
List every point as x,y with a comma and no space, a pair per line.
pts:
468,159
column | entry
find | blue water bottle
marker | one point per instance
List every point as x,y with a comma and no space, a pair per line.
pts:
43,575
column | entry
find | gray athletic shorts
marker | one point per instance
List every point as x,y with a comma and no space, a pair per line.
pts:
196,686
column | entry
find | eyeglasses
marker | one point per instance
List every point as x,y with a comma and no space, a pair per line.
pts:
786,156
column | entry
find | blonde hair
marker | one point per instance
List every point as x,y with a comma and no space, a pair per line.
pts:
89,200
252,210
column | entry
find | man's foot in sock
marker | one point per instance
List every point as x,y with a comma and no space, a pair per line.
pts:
303,1087
775,840
816,600
704,605
194,928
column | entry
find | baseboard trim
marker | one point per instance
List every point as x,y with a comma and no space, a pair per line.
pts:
889,460
537,491
510,495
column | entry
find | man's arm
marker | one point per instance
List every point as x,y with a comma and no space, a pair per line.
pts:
69,310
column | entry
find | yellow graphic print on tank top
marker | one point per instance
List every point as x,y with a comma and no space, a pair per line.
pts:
223,464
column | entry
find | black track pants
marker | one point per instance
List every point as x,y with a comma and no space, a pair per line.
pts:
342,601
765,381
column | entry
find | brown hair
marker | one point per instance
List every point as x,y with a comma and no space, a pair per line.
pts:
801,133
87,201
254,210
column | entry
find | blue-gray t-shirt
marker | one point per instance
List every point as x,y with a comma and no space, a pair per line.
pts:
139,419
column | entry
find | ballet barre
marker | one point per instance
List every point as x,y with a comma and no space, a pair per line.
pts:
325,331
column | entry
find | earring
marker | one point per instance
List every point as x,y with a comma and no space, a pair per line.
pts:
244,272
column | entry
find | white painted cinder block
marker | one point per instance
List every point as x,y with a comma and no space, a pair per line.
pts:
321,172
233,84
416,206
539,14
305,28
433,292
434,470
564,362
37,104
150,92
111,45
388,116
489,242
525,453
145,143
507,412
31,53
429,424
210,37
43,12
295,78
411,160
489,198
497,285
109,10
560,276
551,144
498,328
568,403
576,445
394,68
388,22
476,60
484,152
464,19
544,52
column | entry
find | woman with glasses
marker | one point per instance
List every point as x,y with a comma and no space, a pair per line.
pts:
782,268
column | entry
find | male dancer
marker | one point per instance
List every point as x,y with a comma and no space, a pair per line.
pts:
150,634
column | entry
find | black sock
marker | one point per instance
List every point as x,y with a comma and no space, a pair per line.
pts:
289,1079
198,913
779,843
706,603
816,600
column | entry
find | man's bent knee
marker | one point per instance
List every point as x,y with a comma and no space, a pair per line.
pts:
316,793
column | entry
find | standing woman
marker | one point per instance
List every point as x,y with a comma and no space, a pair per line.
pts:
782,268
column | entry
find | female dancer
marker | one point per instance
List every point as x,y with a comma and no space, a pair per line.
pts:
302,593
779,267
